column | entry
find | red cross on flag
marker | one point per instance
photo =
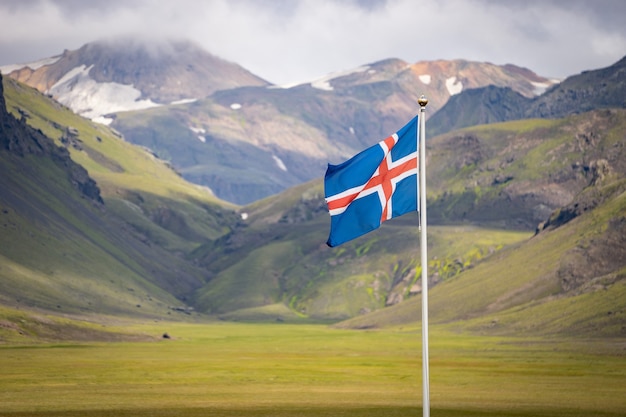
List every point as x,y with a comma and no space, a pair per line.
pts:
375,185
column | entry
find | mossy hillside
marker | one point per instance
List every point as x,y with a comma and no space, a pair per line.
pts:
527,287
104,261
277,255
516,173
513,276
122,170
61,253
385,269
32,328
313,281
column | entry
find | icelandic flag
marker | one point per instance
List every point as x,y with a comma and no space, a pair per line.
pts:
375,185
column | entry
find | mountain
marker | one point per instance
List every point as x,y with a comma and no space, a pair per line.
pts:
590,90
275,264
251,142
91,224
477,106
123,74
518,172
461,75
526,225
232,132
568,280
509,181
593,89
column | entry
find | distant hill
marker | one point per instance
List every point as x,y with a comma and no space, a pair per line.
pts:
569,280
226,129
128,74
526,217
91,224
251,142
477,106
590,90
485,182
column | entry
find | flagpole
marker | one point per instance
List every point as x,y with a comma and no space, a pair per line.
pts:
423,101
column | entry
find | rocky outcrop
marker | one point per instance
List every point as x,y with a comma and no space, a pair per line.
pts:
19,139
485,105
603,88
591,90
162,71
597,260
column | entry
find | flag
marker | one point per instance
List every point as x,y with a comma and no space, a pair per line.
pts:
375,185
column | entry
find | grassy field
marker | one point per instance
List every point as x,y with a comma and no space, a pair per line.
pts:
226,369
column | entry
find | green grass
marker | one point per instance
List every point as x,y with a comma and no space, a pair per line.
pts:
113,163
226,369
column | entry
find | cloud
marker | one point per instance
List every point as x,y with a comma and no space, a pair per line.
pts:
286,41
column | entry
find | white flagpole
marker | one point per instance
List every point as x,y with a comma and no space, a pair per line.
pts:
423,101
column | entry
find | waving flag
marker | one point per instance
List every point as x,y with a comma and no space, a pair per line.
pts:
375,185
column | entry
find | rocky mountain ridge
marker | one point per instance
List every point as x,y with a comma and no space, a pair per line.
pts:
241,137
88,222
20,139
592,89
267,261
124,74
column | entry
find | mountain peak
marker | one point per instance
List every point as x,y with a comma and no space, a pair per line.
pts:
152,50
164,70
130,73
459,75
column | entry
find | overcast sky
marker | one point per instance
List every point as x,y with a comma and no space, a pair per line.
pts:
286,41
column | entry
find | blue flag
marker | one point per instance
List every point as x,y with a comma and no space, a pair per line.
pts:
375,185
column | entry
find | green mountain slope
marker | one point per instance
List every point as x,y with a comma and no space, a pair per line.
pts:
569,280
516,173
523,215
132,181
113,246
489,188
277,256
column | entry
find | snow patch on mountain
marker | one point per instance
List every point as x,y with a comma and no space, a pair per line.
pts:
541,88
184,101
199,131
93,100
279,163
324,82
235,106
103,120
454,86
425,78
282,86
7,69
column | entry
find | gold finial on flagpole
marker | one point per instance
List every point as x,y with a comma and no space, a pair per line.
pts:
422,101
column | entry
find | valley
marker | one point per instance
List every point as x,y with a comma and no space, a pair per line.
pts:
527,212
278,369
162,229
